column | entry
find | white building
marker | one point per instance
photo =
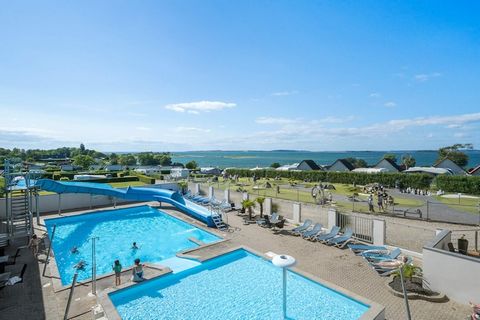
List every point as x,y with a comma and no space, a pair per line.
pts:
429,170
179,173
149,170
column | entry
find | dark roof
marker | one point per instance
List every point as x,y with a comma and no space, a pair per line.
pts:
346,163
312,164
440,161
393,163
473,170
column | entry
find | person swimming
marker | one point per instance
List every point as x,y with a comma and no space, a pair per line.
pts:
134,246
74,250
80,265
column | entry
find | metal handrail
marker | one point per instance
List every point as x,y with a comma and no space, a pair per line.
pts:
49,250
72,289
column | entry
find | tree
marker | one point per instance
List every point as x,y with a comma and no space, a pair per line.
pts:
82,148
357,163
164,159
408,161
260,201
83,161
147,159
192,165
127,160
113,158
248,205
390,156
455,154
275,165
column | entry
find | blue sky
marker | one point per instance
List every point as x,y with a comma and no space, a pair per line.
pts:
202,75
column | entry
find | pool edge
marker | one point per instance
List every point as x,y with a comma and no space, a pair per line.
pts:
375,310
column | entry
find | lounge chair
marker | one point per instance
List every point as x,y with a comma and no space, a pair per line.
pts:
372,255
384,272
358,248
326,236
265,222
317,228
340,241
274,218
306,224
280,224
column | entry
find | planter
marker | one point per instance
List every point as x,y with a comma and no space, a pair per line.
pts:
415,290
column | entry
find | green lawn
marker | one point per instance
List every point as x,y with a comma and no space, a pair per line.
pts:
127,184
465,204
305,196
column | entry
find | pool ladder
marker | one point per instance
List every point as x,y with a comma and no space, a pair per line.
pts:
217,219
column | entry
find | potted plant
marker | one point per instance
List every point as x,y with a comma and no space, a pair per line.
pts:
248,205
260,201
183,185
414,285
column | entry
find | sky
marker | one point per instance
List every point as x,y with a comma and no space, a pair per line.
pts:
237,75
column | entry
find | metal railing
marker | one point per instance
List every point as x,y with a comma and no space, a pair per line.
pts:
362,227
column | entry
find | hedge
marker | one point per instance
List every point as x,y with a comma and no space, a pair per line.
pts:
70,175
143,178
111,180
421,181
463,184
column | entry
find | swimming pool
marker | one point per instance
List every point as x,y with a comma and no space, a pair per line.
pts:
158,235
237,285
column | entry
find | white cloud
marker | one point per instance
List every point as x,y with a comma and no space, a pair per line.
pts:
272,120
284,93
199,106
143,129
390,104
423,77
191,129
375,95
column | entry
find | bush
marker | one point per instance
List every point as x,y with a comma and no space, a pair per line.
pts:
143,178
463,184
420,181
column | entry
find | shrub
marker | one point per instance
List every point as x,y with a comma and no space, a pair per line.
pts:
463,184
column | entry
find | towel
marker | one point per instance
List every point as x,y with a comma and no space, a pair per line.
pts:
13,280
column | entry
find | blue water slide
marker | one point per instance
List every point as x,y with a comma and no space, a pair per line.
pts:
132,194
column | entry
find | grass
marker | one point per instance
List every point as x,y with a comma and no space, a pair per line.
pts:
127,184
465,204
305,196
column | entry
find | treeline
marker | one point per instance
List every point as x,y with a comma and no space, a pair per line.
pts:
420,181
31,155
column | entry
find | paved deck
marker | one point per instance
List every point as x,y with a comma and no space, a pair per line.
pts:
36,299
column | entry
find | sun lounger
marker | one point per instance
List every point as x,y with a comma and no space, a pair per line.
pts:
326,236
384,271
303,227
359,248
275,218
317,228
373,256
340,240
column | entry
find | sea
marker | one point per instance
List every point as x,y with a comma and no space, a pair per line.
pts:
252,159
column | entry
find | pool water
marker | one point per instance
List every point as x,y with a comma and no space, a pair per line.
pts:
237,285
158,235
